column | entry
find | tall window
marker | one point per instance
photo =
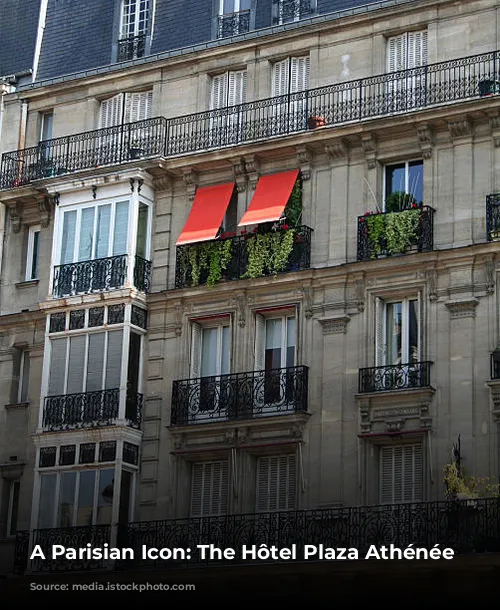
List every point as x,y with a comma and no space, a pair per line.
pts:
401,474
291,10
397,332
32,253
289,78
134,28
209,488
404,184
233,17
125,108
46,126
408,50
228,89
276,483
13,507
24,376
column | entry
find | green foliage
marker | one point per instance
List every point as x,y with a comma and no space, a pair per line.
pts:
212,257
293,209
462,486
268,253
393,232
398,201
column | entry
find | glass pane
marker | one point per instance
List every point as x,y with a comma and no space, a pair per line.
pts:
224,369
416,180
14,507
393,333
85,497
290,342
105,496
47,121
114,359
125,494
66,499
394,179
57,366
413,331
142,230
76,365
134,353
86,234
95,364
228,6
273,344
245,5
121,228
68,238
102,237
47,501
34,259
209,352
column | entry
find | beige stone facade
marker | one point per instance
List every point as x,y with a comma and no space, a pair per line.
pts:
340,441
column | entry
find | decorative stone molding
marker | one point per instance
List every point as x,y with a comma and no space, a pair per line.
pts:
432,279
190,177
230,436
305,160
395,412
369,145
179,312
494,121
15,215
460,128
12,471
490,274
337,149
178,441
239,174
360,288
240,303
308,301
297,431
162,183
462,308
425,140
243,436
252,167
335,325
44,208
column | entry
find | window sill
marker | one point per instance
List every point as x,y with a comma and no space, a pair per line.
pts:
27,283
17,405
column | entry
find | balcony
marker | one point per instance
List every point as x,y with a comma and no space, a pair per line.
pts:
240,396
90,410
353,101
132,47
243,256
459,525
233,24
394,233
293,10
394,377
99,275
493,217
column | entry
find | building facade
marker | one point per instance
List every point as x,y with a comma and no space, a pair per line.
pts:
250,275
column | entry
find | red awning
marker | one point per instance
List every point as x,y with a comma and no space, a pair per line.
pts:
206,216
270,198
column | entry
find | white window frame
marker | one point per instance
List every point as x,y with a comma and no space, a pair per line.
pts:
125,22
43,122
12,492
31,252
406,163
260,335
236,8
381,323
23,383
405,449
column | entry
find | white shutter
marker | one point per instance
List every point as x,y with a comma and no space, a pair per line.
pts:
219,91
110,111
417,49
401,471
299,74
209,487
138,106
396,53
195,351
380,324
260,342
237,84
280,80
276,483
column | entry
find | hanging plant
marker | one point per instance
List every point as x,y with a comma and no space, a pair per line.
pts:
207,258
376,231
293,209
393,232
269,253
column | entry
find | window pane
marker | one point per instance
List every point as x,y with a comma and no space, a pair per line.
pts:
66,499
125,494
209,352
95,364
102,237
68,238
86,234
57,366
105,496
14,507
416,180
121,228
47,501
273,344
47,121
394,179
85,497
225,351
76,365
228,6
245,5
142,230
34,257
290,341
114,359
25,376
413,331
394,342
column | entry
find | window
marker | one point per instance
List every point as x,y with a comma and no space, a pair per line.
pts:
289,77
397,332
135,16
94,232
403,179
32,253
13,507
406,51
233,17
24,375
85,363
209,488
227,90
125,108
276,483
291,10
401,474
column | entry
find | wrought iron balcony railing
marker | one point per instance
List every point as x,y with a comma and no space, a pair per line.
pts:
90,410
192,267
132,47
393,233
493,216
292,10
395,377
466,526
99,275
352,101
233,24
240,396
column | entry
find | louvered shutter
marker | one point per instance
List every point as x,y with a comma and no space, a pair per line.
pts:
299,74
417,49
195,365
77,348
110,112
260,342
209,488
280,81
219,91
276,483
95,364
396,53
138,106
380,324
57,366
237,84
401,474
114,359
